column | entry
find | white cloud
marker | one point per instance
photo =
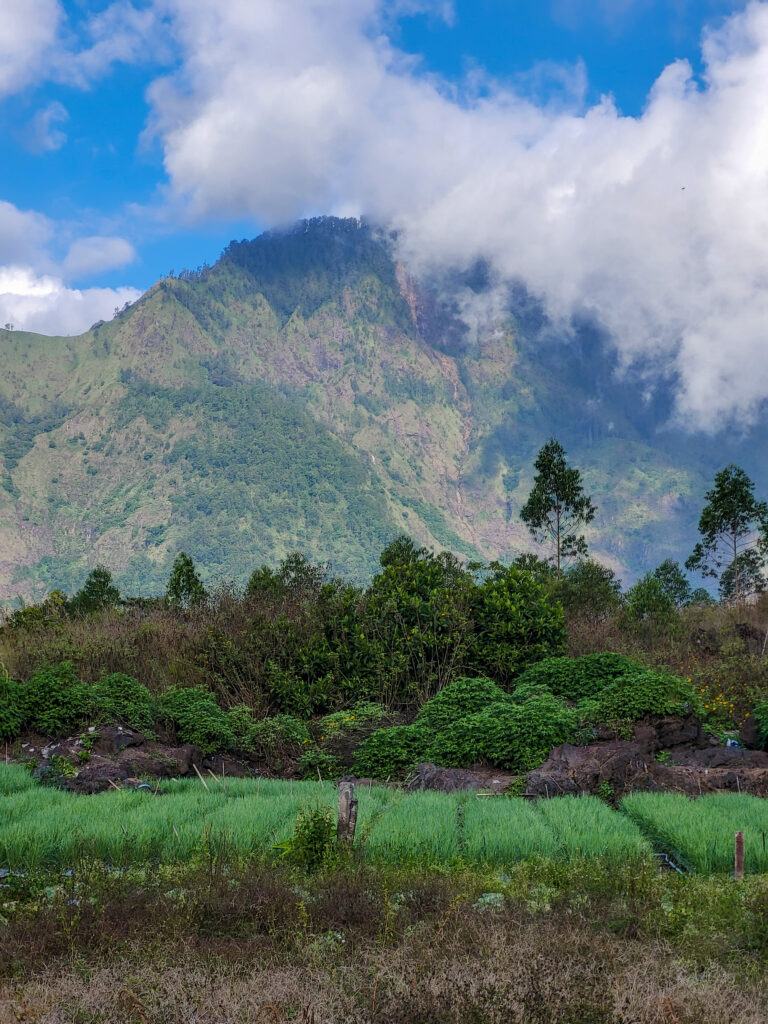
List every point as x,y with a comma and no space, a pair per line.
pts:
39,42
42,135
122,33
24,235
29,31
34,295
657,224
97,254
44,304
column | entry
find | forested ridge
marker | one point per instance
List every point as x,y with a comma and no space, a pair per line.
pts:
306,392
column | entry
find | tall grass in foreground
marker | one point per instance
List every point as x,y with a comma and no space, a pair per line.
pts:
699,834
14,778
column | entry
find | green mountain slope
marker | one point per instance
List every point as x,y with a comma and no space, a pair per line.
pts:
306,393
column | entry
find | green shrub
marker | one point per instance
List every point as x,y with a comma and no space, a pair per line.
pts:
528,689
516,623
390,753
57,702
640,693
457,700
241,722
587,589
315,762
575,678
278,739
362,713
650,606
312,844
516,737
13,708
121,698
197,718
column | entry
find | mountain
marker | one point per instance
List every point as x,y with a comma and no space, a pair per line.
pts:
306,392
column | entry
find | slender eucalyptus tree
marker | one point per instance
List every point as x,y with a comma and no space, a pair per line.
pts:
557,506
734,536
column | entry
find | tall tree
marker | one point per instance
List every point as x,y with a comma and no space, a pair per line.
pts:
734,536
557,506
185,588
97,592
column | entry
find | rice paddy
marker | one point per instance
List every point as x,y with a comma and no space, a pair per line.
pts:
182,821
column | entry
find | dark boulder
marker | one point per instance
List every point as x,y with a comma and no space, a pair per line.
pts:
446,780
749,735
111,739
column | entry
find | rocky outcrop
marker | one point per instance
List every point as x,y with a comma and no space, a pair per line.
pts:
668,754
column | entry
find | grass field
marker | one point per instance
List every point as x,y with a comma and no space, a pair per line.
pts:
183,821
699,833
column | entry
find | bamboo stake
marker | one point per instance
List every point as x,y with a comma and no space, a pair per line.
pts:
199,775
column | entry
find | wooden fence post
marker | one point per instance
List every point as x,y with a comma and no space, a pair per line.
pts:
345,829
738,856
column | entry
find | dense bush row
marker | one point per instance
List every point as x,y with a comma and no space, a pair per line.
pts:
471,654
55,703
298,643
470,720
558,700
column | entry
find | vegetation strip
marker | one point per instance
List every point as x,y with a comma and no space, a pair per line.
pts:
249,819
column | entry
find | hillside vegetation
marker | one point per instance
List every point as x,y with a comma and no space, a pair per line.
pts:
305,392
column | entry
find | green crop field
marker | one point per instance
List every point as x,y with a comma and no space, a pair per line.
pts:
41,826
699,834
45,827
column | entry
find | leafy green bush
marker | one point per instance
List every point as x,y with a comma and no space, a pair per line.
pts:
517,737
118,697
13,708
315,762
587,589
390,753
516,623
363,713
312,844
197,718
575,678
650,604
278,739
57,702
457,700
639,693
241,722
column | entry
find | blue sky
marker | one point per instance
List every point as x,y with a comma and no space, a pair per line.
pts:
592,148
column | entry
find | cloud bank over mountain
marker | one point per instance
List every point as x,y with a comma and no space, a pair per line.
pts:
657,225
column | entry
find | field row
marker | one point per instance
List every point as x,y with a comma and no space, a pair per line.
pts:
40,827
